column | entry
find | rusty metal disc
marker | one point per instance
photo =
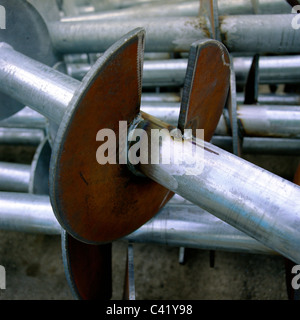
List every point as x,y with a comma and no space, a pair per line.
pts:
101,203
297,176
27,33
206,87
88,268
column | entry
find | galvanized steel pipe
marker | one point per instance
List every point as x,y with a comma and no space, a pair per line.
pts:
179,223
21,136
287,99
185,9
253,120
182,224
27,213
14,177
260,145
272,70
244,33
26,118
255,201
42,88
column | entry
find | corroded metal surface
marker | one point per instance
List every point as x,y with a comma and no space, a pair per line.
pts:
87,268
101,203
205,88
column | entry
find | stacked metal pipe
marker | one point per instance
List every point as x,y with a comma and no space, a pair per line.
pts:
80,33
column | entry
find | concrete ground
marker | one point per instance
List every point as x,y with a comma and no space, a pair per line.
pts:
34,268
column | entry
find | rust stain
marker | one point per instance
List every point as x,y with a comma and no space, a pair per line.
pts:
199,23
297,176
118,202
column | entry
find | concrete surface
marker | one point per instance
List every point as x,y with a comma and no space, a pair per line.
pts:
34,268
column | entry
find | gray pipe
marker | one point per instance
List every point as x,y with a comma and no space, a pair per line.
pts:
185,9
14,177
254,120
27,213
183,224
20,136
179,223
255,201
26,118
171,72
265,33
261,145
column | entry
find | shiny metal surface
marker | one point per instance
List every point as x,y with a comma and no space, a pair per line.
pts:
35,84
253,200
171,72
180,223
264,121
285,99
253,120
14,177
26,118
163,35
257,202
27,213
21,136
272,69
261,145
265,33
27,32
184,9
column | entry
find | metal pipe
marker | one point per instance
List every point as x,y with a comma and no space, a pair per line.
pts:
33,178
14,177
171,72
253,200
264,121
42,88
260,145
20,136
27,213
273,99
185,9
272,69
182,224
253,120
160,97
26,118
286,99
265,33
71,37
179,223
260,33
